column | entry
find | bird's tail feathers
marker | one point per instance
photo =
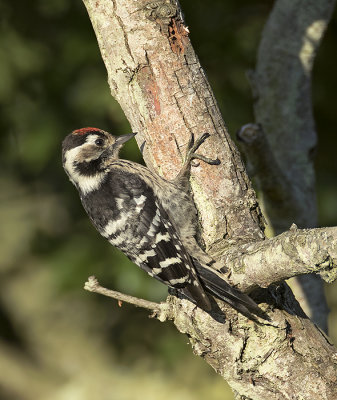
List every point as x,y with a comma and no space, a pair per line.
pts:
197,295
215,285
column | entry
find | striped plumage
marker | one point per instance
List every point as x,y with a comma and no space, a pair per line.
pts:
149,219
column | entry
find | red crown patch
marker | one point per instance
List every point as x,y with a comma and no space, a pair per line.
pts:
83,131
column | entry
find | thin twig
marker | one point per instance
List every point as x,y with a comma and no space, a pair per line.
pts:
92,285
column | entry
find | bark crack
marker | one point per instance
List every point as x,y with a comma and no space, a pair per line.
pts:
122,26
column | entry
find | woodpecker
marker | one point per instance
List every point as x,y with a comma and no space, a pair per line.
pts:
151,220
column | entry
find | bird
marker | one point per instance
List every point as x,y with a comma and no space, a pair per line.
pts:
153,221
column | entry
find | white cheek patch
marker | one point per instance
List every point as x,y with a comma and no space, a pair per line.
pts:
85,183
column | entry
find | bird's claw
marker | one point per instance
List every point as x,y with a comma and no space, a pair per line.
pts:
193,146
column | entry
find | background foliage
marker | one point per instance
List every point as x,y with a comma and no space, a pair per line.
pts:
56,339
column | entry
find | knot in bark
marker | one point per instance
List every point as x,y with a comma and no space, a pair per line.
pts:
160,10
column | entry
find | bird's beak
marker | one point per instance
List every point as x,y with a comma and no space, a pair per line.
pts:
113,151
124,138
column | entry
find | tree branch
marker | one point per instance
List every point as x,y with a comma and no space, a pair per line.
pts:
92,285
292,253
160,310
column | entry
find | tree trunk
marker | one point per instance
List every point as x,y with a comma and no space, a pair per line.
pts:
156,77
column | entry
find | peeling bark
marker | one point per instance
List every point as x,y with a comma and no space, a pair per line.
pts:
156,77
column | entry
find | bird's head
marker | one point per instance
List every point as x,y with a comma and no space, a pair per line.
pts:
85,153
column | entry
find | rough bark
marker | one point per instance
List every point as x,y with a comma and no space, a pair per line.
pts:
281,85
156,77
292,253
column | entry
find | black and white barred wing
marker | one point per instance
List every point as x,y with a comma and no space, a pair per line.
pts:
143,231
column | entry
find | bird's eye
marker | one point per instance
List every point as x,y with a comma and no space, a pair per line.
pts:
99,142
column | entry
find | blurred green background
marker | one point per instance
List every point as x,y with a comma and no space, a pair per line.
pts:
56,340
